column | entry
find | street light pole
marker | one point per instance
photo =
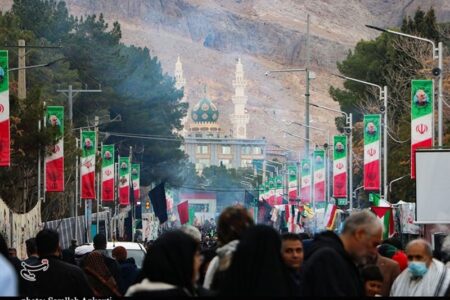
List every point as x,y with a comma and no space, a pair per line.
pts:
437,54
309,75
396,179
383,96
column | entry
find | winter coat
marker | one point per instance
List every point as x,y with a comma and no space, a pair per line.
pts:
128,272
219,264
328,270
60,279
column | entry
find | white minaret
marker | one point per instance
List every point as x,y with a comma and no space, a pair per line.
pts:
180,83
179,79
239,118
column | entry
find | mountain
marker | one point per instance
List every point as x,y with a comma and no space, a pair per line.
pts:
209,35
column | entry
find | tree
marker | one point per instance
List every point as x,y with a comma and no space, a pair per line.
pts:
393,61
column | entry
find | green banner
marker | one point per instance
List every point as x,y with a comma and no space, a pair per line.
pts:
371,128
88,143
340,147
292,171
124,167
422,98
135,171
107,155
4,67
55,119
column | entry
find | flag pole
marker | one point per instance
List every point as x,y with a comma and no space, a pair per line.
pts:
77,141
134,200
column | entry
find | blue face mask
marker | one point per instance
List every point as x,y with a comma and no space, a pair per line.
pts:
417,268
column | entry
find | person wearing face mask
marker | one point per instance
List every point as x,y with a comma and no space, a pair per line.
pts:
425,276
331,262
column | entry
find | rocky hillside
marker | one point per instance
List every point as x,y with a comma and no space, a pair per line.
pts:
267,34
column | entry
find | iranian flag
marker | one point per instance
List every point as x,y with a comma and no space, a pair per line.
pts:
330,216
135,178
5,152
88,164
384,212
422,100
54,159
292,173
340,166
306,181
372,151
124,180
279,190
319,176
108,173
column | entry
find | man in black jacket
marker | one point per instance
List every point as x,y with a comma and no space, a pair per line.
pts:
330,267
52,276
113,266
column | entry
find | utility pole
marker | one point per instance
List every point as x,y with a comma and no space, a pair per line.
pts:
132,191
307,89
22,87
77,183
98,174
70,93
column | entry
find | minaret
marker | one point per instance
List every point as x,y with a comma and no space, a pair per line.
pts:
180,83
239,118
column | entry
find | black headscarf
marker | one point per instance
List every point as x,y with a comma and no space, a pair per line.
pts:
171,260
257,268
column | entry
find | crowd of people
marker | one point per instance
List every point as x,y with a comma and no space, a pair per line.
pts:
234,258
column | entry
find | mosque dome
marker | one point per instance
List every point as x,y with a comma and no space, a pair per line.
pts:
205,112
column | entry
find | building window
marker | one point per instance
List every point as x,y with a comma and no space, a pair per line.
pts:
246,163
202,149
246,150
257,150
226,150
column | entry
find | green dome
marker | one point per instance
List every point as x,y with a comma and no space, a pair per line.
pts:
204,112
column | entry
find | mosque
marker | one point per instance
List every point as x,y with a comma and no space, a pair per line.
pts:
205,143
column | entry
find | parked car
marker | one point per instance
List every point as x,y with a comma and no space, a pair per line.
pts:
134,250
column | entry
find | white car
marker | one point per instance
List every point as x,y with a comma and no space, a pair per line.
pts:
134,250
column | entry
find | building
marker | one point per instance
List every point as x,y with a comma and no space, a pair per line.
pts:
204,142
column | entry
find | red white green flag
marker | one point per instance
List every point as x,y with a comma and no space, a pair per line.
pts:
384,212
372,149
330,216
124,180
108,173
422,99
54,159
319,176
292,173
89,149
340,166
135,178
306,180
279,190
5,140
